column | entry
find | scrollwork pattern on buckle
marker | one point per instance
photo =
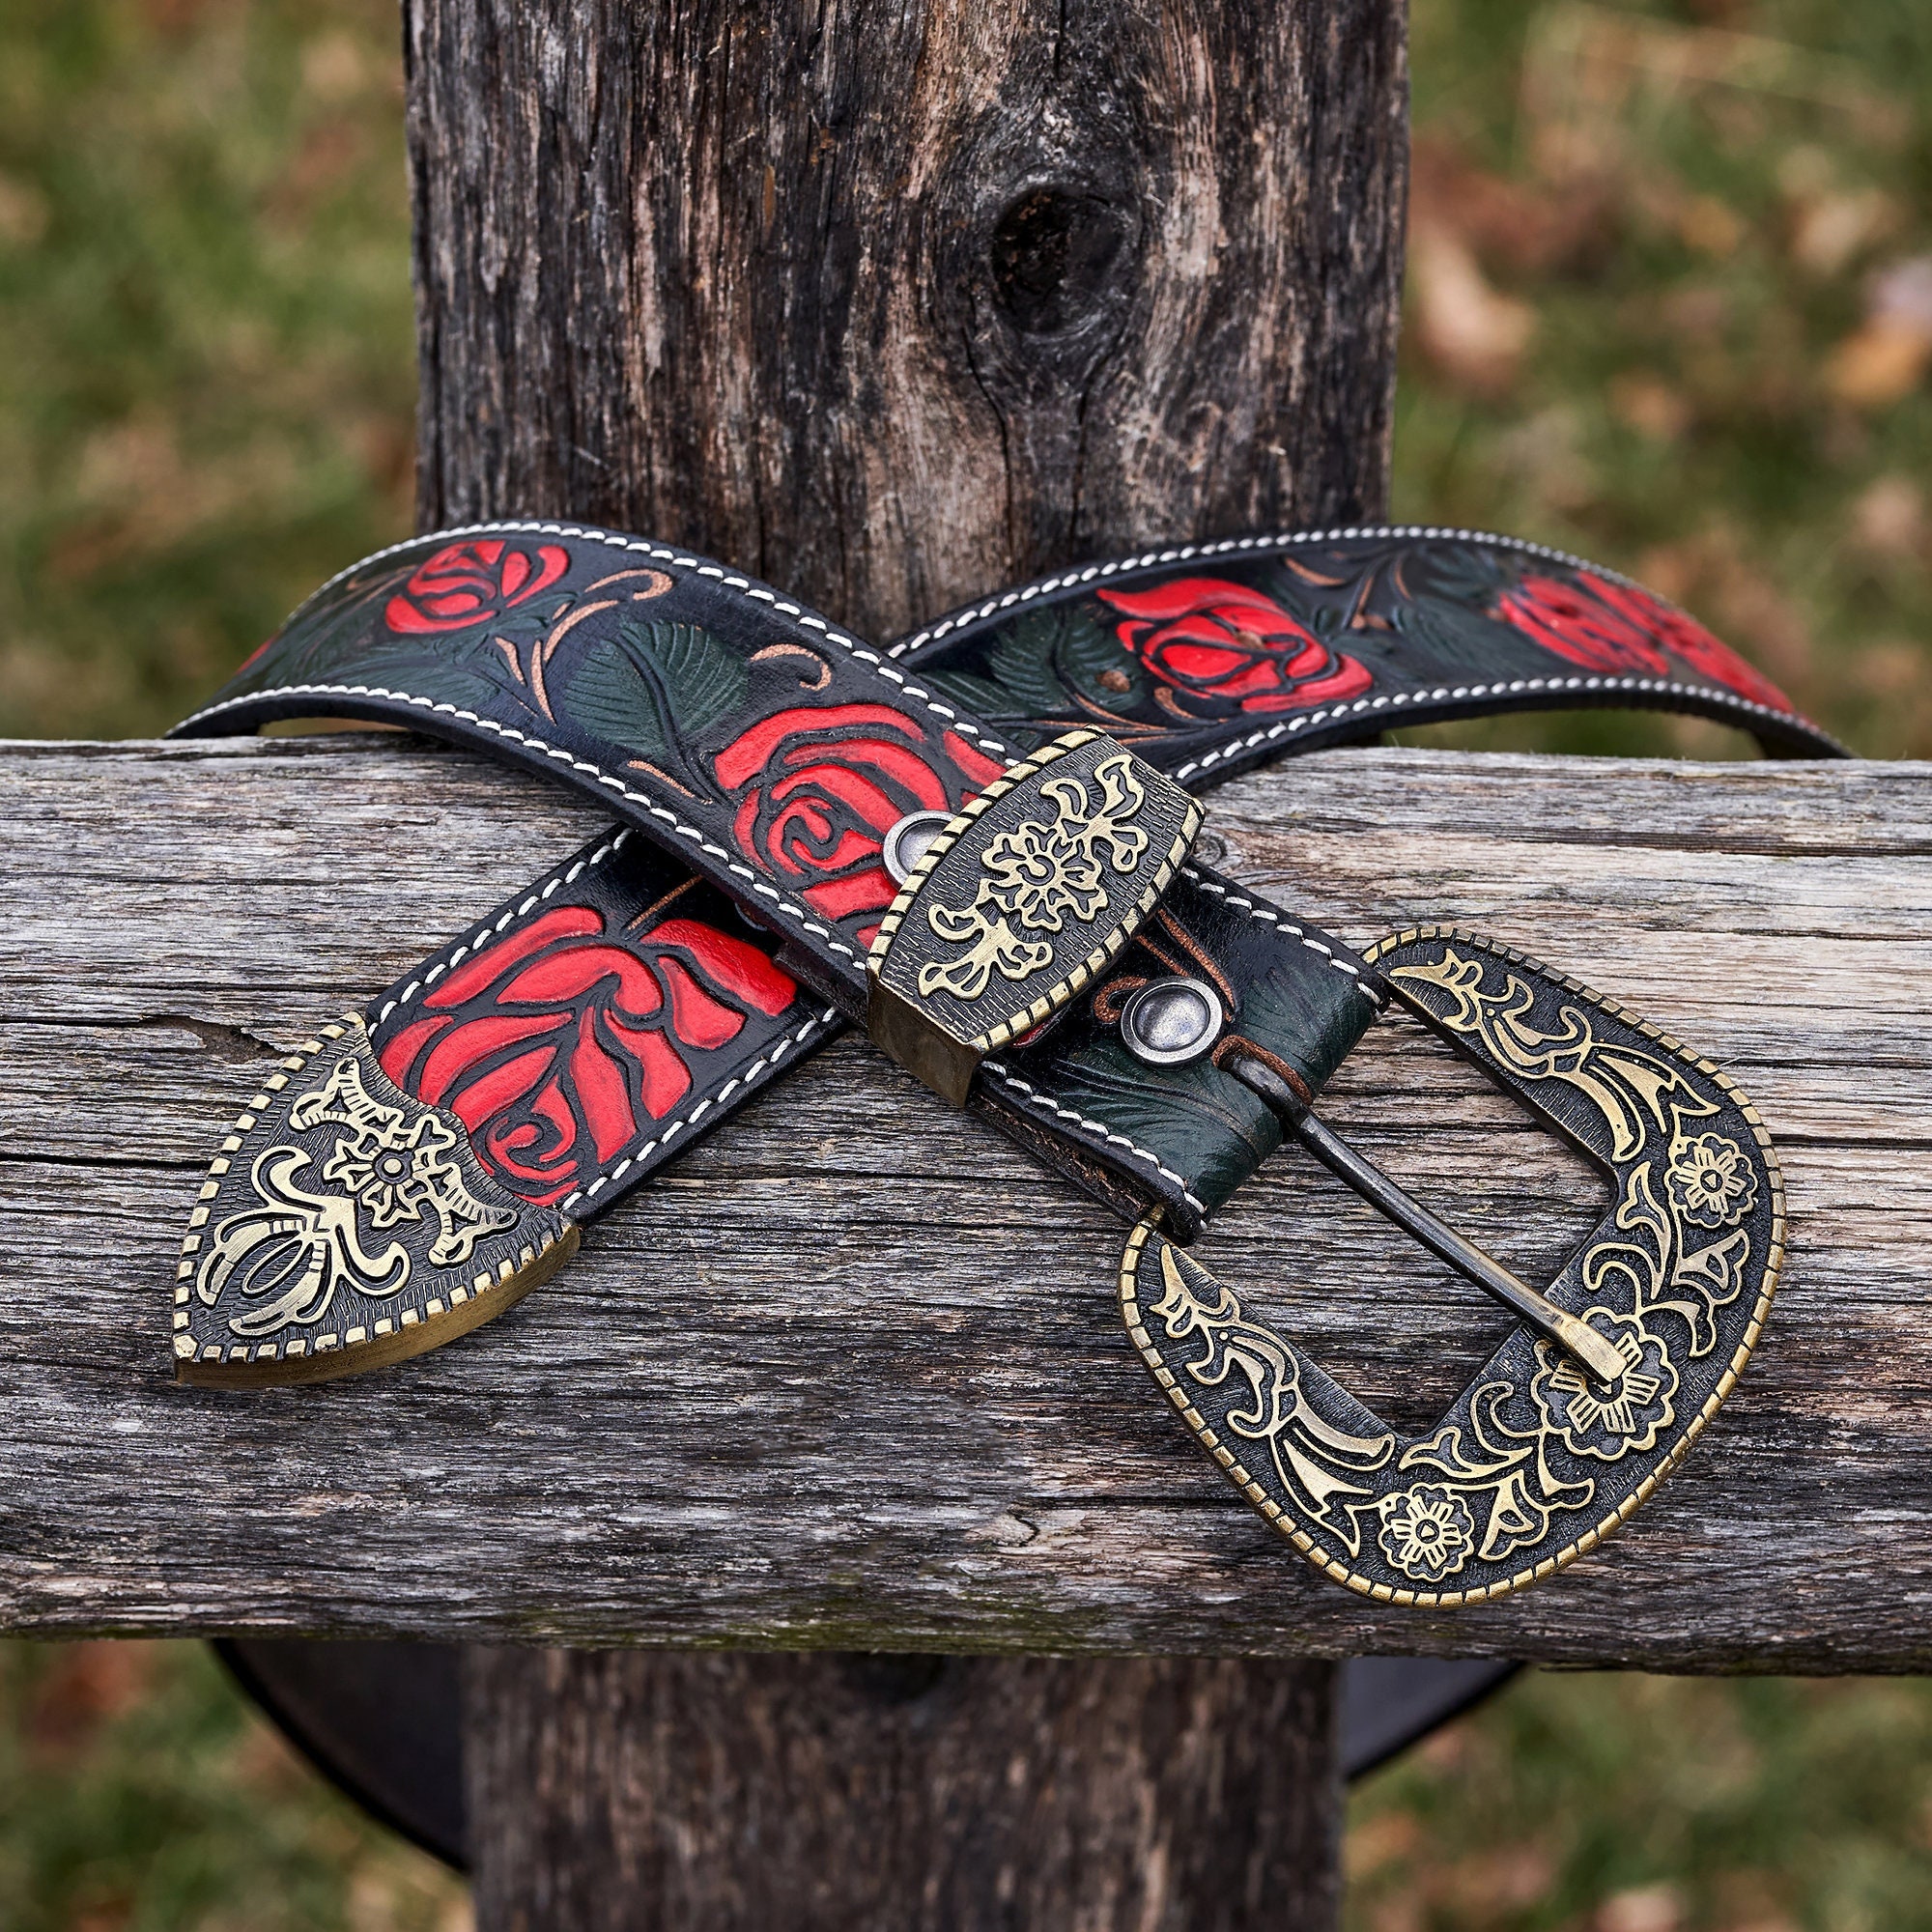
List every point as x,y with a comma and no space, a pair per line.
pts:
1041,875
346,1223
1535,1462
1041,879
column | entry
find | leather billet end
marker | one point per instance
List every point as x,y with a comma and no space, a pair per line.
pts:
344,1225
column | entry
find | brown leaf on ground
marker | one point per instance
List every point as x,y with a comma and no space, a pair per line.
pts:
1877,364
1479,1887
102,1914
23,213
1886,357
1647,404
1645,1908
1473,335
1889,519
88,1685
1709,225
1511,226
1379,1841
1832,230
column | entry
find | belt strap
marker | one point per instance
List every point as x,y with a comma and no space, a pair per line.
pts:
587,1029
426,1161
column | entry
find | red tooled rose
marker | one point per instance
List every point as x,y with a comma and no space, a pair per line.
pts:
816,792
556,1045
465,583
1684,638
1205,639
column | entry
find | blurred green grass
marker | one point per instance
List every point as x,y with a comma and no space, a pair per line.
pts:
140,1792
1669,306
206,339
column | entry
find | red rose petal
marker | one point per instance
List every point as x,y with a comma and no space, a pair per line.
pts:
863,891
696,1017
470,1042
603,1093
494,961
730,962
399,1055
747,755
488,1095
665,1078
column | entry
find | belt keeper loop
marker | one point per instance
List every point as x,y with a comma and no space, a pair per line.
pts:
1024,899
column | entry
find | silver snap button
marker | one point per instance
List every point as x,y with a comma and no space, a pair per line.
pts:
1170,1022
906,843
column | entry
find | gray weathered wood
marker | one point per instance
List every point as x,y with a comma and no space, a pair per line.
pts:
850,1375
891,303
903,1794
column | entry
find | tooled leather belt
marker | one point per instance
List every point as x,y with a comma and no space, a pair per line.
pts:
975,842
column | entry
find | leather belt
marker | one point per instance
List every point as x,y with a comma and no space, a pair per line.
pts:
976,841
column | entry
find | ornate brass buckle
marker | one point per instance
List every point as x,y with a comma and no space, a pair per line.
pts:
1611,1373
1019,902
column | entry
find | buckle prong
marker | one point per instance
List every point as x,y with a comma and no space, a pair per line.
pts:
1594,1352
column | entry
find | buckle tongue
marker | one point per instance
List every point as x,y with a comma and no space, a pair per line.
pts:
1593,1351
1020,901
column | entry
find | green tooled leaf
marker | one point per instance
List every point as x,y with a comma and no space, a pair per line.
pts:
443,679
1092,663
1461,641
655,688
1225,1129
1022,663
973,695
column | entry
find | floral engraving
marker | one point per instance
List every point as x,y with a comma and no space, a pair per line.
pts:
395,1168
1033,877
1039,873
1536,1459
285,1255
1710,1181
467,583
1608,1421
1427,1531
1317,1462
1212,644
395,1179
1640,1095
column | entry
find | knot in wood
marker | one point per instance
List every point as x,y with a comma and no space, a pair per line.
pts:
1051,251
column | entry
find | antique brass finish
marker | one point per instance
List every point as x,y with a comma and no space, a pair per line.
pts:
1019,902
344,1225
1540,1456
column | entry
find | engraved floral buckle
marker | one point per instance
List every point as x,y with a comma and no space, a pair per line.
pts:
1020,901
1547,1450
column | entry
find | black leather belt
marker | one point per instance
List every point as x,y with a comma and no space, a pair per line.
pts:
976,843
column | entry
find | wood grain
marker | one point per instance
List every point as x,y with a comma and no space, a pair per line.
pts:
892,303
850,1376
1016,1789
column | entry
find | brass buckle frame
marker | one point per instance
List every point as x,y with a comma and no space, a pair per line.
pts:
1545,1452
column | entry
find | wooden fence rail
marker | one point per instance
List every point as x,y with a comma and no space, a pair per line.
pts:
850,1375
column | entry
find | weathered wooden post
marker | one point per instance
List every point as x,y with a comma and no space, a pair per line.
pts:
892,304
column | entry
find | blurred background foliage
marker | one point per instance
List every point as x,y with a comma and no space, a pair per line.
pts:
1671,305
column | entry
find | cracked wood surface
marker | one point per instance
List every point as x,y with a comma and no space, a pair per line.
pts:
850,1374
